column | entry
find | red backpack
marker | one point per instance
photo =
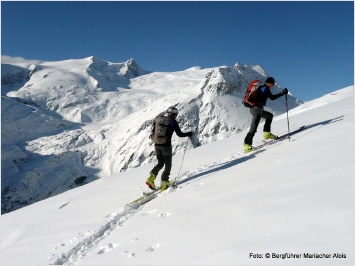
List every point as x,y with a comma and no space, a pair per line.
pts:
251,91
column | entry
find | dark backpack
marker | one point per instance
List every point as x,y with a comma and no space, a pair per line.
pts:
158,135
250,94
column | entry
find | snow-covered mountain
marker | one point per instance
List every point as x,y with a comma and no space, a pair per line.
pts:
292,201
67,123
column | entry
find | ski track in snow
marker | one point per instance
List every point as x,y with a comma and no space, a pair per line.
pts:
86,245
194,175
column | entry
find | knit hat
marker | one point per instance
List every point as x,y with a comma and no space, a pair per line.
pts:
270,80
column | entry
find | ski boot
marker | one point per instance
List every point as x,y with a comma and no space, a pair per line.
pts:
248,148
150,181
269,135
164,185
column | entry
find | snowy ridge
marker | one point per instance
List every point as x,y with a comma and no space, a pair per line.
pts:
286,200
93,119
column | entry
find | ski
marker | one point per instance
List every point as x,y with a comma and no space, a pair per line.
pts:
279,138
291,133
148,196
282,137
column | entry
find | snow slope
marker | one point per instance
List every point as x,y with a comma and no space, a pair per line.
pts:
67,123
293,198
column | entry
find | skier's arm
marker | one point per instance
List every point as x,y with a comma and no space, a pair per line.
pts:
179,133
276,96
273,96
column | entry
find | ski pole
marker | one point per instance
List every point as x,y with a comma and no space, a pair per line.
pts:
174,185
288,122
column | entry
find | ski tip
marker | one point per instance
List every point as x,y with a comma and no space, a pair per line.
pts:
170,189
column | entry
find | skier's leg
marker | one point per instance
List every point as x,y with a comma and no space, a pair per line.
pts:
268,120
160,157
256,113
168,155
168,164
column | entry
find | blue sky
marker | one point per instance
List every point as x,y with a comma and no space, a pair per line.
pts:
307,47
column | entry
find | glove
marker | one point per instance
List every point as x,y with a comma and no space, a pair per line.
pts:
189,134
285,91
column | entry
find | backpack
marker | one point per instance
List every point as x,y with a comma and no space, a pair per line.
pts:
160,127
250,94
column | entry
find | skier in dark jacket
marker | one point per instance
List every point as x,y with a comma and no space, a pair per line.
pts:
164,151
263,93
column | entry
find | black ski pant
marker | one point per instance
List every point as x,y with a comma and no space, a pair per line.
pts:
164,155
258,113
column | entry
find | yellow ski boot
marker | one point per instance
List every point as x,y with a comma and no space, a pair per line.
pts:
150,181
248,148
269,135
164,185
